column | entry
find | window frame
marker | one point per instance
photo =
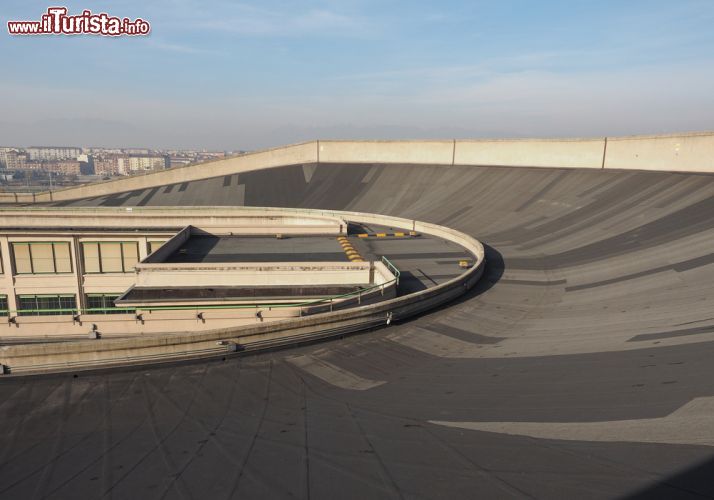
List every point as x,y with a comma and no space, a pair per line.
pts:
151,243
31,259
22,311
107,310
122,257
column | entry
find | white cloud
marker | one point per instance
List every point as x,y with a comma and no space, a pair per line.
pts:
177,47
287,20
440,102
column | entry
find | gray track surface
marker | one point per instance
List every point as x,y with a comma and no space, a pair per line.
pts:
596,306
424,261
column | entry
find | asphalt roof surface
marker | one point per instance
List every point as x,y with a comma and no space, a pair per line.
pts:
217,249
579,367
424,261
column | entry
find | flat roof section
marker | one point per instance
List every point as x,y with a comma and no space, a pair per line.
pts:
217,249
305,292
424,261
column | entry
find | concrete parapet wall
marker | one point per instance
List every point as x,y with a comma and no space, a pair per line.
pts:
381,274
153,322
672,153
411,152
170,275
690,152
687,152
220,221
252,274
296,154
576,153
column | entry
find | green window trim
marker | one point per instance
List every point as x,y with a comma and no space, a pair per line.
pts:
46,295
4,307
66,304
103,303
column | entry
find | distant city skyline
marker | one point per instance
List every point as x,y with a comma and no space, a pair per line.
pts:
230,76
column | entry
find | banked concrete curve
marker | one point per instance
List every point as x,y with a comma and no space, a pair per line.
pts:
686,152
579,367
87,354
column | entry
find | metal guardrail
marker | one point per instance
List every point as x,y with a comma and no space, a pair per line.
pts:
392,268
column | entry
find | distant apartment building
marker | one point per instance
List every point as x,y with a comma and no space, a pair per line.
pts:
52,153
86,164
106,166
66,167
3,157
106,151
127,165
14,160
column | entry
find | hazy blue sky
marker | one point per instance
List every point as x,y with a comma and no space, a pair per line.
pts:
243,75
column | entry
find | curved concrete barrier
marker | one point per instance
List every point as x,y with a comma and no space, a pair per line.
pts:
563,153
295,154
688,152
672,153
33,358
410,152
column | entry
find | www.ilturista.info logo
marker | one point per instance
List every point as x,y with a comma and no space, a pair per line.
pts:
56,22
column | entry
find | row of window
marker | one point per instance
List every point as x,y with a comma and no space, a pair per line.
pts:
42,257
49,305
54,257
110,257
